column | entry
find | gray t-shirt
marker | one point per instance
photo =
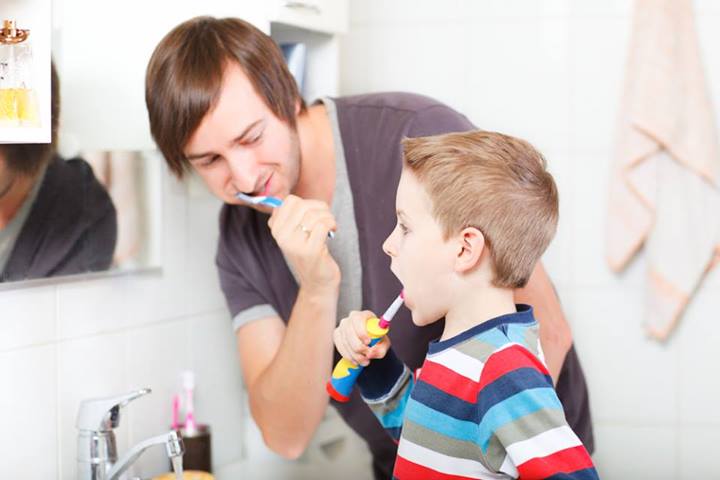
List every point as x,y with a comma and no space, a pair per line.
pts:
256,280
11,232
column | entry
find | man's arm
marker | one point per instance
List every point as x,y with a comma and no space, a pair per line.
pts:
555,334
285,369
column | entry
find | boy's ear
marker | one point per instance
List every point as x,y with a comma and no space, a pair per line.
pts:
471,243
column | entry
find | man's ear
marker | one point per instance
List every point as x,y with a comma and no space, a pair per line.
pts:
471,243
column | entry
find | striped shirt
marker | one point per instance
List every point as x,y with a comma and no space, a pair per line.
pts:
482,406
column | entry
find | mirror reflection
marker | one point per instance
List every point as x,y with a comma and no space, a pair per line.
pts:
76,213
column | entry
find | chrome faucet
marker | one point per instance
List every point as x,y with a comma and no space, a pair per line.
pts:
96,448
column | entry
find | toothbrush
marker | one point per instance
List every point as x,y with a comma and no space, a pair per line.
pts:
345,373
272,202
188,380
175,411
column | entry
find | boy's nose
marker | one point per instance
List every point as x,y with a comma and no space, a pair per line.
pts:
387,246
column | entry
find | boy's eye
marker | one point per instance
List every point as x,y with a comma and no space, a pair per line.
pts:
403,228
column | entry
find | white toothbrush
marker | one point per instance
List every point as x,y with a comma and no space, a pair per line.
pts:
272,202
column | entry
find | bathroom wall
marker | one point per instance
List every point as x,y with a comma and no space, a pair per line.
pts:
65,342
551,71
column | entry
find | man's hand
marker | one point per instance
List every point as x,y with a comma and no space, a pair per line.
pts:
352,340
300,227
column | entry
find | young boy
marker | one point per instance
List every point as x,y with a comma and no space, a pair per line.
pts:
475,212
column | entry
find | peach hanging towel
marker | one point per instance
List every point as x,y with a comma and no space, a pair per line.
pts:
664,186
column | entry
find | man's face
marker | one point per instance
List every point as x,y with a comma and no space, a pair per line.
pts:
240,146
420,258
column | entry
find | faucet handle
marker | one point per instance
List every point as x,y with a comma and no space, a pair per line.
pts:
103,414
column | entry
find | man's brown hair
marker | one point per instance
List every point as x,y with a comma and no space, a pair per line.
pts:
185,74
29,159
496,183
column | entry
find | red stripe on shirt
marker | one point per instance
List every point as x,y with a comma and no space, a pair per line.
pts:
507,360
563,461
449,381
407,470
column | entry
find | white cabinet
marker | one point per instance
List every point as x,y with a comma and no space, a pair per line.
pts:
328,16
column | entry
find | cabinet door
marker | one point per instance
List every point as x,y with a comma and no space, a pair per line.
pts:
328,16
102,50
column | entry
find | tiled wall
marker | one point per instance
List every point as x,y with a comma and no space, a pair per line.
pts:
62,343
551,71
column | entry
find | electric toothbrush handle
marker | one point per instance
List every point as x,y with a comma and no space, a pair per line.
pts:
346,373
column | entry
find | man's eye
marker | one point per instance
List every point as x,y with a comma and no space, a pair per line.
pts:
253,140
209,161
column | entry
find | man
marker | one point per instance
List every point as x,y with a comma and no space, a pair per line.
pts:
222,102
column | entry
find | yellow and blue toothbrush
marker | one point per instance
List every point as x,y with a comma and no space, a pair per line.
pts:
345,373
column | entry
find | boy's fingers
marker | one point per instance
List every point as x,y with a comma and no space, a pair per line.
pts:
379,349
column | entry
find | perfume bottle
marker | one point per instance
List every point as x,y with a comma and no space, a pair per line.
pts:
18,102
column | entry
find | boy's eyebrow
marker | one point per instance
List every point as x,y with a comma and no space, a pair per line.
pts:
400,213
239,138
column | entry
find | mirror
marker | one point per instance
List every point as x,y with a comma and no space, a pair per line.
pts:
77,206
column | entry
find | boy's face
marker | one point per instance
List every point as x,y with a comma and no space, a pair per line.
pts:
420,258
241,146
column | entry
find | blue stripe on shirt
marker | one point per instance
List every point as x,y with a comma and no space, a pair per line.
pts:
441,423
510,384
434,398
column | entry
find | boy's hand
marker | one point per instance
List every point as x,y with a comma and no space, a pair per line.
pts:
352,340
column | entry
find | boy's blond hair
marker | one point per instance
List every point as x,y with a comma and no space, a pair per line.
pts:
496,183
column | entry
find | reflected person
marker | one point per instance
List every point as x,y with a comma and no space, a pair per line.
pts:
55,217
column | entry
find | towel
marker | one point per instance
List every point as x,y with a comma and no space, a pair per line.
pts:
664,184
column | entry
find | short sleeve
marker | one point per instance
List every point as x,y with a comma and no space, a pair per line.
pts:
237,265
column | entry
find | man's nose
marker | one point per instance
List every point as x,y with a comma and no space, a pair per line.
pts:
244,172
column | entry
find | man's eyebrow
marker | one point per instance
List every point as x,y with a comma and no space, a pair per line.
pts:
239,138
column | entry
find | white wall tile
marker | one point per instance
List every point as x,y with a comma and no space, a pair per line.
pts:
697,338
156,357
557,260
27,317
378,12
200,278
630,452
521,88
219,400
28,413
631,378
429,59
598,51
698,451
92,367
595,9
